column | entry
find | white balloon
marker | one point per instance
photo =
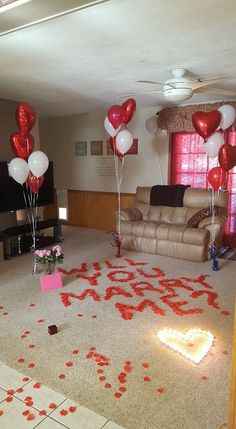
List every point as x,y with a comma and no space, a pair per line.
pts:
213,144
18,170
151,125
124,141
110,129
227,116
38,163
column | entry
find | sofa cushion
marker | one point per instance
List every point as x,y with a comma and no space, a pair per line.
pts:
201,214
176,215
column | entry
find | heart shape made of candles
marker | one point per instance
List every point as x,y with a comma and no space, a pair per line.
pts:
193,344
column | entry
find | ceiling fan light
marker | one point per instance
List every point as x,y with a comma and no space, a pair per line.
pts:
177,94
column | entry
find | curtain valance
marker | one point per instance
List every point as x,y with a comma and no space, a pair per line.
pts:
177,119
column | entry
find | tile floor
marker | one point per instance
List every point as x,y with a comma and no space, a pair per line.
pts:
25,403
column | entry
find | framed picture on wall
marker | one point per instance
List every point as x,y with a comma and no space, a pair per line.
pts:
96,147
81,148
134,148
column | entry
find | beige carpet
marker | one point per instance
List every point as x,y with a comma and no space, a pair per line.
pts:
106,355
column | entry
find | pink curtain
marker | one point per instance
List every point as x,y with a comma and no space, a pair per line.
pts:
190,166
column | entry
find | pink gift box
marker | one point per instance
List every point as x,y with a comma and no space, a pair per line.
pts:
51,281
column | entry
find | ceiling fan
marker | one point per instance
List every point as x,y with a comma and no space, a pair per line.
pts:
180,87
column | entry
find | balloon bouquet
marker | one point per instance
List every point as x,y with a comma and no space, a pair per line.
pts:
28,167
211,127
120,141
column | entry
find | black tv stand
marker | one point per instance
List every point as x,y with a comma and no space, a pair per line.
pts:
18,239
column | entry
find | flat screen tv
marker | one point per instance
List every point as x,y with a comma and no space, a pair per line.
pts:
11,193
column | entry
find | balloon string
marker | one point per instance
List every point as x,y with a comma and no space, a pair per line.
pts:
213,215
159,166
119,176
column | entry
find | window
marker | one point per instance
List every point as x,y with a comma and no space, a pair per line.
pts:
190,166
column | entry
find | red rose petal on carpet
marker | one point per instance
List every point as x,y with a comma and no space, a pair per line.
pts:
32,305
117,394
80,315
31,346
145,365
122,389
29,403
128,362
5,314
100,371
146,378
61,376
26,413
27,332
225,313
63,412
224,352
42,413
31,417
160,390
20,390
37,385
41,320
23,336
21,360
72,409
92,349
9,399
107,385
52,406
25,379
75,352
10,392
31,365
69,363
204,377
102,378
94,316
1,413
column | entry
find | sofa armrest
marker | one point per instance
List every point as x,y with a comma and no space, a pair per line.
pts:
131,214
216,229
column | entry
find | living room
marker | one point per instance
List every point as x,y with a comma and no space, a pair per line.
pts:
72,62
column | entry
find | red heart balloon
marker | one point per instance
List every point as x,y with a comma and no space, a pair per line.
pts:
34,183
216,177
206,123
112,142
115,115
25,117
129,108
227,156
22,145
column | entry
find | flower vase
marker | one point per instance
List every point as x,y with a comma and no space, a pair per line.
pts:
51,281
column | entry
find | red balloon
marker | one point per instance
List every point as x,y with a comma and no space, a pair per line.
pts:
112,142
206,123
22,145
34,183
227,156
216,177
115,115
129,108
25,117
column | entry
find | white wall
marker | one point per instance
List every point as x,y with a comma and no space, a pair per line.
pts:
57,138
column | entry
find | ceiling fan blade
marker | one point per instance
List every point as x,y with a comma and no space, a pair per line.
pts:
214,91
201,82
150,81
139,93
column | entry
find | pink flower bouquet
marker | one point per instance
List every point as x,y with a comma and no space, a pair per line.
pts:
49,258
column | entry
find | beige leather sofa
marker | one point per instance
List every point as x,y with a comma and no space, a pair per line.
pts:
168,231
